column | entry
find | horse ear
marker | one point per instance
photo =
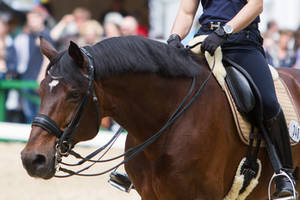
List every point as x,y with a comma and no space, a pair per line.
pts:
47,48
76,53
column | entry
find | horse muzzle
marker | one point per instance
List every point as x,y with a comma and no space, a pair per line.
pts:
38,164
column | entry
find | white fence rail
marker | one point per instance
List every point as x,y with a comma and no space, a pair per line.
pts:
20,132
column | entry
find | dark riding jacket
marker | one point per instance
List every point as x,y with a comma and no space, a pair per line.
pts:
221,10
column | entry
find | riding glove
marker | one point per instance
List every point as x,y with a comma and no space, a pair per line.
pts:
212,41
174,41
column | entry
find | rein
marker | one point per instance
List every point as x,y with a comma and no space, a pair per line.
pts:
64,140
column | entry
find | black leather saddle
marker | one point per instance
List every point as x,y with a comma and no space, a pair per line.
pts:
243,90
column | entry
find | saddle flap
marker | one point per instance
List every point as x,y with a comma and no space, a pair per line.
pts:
240,90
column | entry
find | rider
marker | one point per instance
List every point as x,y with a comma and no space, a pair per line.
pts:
233,25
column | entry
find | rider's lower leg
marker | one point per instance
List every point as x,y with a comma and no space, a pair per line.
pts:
279,135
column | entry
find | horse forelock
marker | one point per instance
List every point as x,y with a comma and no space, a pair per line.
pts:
63,67
55,60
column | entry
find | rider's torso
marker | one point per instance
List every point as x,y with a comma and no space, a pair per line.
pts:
221,10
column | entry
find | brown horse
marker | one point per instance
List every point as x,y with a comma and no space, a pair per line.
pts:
140,83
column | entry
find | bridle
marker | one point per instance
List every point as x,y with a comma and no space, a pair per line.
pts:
65,144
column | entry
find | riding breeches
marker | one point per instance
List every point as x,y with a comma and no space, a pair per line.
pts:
245,48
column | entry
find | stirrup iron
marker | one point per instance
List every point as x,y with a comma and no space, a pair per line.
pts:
120,181
282,173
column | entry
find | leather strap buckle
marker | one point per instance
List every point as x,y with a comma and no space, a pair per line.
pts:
214,25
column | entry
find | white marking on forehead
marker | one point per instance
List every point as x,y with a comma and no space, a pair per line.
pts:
53,83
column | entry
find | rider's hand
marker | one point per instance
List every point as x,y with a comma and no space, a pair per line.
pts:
212,41
175,41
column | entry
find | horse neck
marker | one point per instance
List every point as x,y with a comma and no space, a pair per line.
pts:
142,103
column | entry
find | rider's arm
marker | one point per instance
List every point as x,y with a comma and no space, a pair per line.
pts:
185,17
58,29
246,15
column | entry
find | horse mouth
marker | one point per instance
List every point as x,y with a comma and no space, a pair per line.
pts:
41,174
39,167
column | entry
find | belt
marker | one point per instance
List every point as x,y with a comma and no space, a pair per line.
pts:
215,25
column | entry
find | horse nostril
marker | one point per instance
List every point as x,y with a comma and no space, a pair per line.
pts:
39,160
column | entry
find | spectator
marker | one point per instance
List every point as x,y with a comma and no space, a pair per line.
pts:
90,33
129,26
112,23
112,30
8,64
117,6
161,17
3,30
29,56
68,27
8,60
271,36
281,55
297,48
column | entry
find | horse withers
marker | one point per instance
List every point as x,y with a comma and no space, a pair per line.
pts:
140,83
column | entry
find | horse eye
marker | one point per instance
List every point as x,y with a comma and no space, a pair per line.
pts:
74,95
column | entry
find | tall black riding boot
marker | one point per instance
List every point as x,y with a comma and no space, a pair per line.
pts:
279,134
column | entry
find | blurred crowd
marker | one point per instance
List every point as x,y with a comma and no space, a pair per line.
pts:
21,59
282,47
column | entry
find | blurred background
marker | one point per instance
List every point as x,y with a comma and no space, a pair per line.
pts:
87,22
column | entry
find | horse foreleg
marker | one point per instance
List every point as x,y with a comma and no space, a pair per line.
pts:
140,173
141,180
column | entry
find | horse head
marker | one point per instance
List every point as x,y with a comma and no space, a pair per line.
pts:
65,86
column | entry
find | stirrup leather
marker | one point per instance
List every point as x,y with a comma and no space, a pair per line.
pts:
120,181
282,173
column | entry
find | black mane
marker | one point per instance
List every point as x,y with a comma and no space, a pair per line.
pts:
138,54
115,56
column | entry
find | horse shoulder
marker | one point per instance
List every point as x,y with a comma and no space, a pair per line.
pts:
291,78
